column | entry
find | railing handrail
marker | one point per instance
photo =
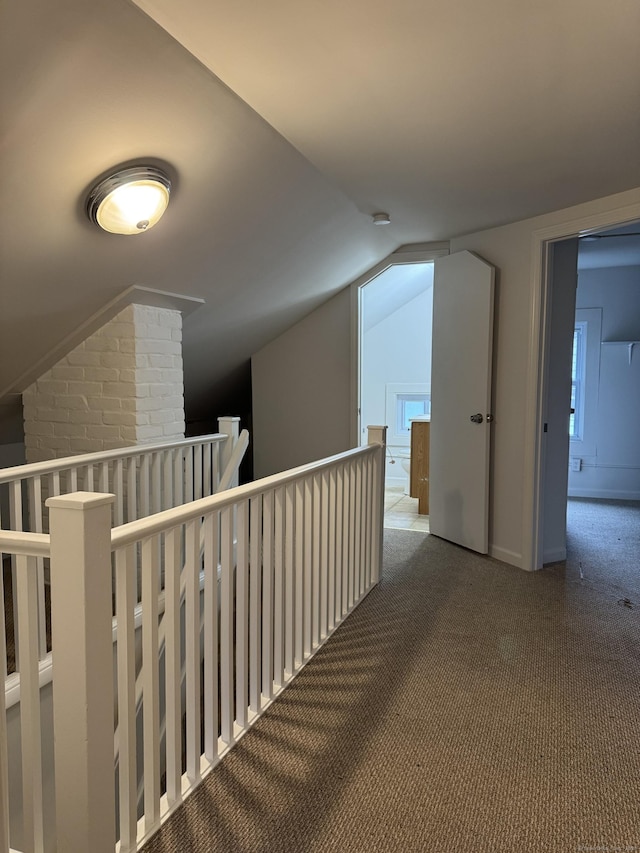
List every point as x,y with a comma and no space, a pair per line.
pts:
308,550
142,528
25,544
50,466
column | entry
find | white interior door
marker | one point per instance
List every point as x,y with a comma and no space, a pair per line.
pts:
461,400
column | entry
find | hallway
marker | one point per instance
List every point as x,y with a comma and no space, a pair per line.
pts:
464,707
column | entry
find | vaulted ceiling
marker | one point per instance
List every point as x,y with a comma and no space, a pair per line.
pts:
285,126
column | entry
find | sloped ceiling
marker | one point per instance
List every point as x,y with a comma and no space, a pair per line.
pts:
285,125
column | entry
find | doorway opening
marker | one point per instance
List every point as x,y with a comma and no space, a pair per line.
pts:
395,307
395,375
603,488
596,518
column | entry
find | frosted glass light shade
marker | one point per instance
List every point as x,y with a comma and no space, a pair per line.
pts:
131,201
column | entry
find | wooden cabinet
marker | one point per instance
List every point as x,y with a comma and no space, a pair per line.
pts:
419,468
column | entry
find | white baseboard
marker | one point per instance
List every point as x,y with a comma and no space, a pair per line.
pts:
611,494
505,556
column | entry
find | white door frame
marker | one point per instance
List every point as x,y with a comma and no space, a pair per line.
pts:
537,367
410,254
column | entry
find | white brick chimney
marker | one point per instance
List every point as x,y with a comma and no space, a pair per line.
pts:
122,386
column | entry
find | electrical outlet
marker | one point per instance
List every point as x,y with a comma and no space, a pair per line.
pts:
576,463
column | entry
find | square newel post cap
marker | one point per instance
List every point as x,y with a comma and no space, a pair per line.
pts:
377,434
80,500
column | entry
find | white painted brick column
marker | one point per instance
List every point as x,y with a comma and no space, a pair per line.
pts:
121,386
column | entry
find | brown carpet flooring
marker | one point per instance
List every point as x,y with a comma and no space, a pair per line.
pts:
464,706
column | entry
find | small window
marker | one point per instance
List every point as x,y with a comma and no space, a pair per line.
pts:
410,406
578,360
405,401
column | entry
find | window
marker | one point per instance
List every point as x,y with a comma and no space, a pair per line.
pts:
405,401
585,380
410,406
578,360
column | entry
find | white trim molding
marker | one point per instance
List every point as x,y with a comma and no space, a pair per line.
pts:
134,295
413,253
532,557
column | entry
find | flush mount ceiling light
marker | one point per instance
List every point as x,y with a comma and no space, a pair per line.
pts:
130,201
381,218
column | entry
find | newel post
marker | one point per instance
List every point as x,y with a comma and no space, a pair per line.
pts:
83,693
378,435
231,427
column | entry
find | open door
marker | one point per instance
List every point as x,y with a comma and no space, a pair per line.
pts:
461,400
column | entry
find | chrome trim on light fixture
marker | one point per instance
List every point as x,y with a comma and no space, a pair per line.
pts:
149,175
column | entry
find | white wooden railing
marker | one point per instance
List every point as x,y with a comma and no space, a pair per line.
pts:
309,545
144,479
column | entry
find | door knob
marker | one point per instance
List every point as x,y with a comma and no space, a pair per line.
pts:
476,419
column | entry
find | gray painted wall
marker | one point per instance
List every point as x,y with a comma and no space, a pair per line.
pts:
564,268
613,470
509,249
301,390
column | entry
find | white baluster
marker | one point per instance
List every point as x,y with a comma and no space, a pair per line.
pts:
278,587
104,478
289,583
358,532
255,544
324,551
34,487
178,476
132,488
267,595
118,490
308,566
315,575
88,478
156,483
216,466
188,475
367,497
145,485
150,682
31,738
15,520
126,596
352,536
197,471
206,473
211,656
192,650
226,624
299,573
331,554
173,688
346,541
167,475
242,613
339,542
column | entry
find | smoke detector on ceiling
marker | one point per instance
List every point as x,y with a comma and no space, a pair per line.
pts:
381,218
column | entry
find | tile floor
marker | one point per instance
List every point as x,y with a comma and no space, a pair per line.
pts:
401,511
